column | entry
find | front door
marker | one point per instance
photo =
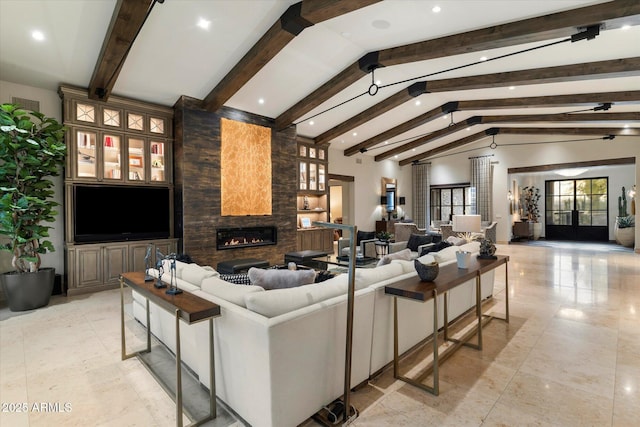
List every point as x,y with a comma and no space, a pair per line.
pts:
577,209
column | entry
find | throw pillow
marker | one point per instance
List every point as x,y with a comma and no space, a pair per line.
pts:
457,241
435,247
403,254
236,278
280,279
416,240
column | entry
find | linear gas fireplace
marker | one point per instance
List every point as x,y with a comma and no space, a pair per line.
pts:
243,237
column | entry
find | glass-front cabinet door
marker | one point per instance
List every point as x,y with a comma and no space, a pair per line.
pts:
158,161
136,159
112,156
87,154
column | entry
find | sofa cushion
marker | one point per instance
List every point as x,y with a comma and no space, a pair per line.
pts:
416,240
368,276
280,279
280,301
228,291
446,254
195,274
471,247
403,254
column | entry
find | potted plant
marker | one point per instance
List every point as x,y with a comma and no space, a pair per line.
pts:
32,149
530,199
624,230
384,236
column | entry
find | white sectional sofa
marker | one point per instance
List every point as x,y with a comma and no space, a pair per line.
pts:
279,354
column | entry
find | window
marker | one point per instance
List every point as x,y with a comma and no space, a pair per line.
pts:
451,200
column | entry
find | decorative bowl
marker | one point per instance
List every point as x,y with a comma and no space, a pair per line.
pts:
427,272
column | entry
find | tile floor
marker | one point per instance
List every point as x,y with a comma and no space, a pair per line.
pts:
569,357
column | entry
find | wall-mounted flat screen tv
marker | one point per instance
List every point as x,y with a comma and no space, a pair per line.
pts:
108,213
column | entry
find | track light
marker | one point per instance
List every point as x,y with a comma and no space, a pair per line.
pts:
588,33
604,106
609,137
363,150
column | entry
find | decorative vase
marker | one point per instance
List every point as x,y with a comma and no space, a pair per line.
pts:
537,230
625,236
463,259
28,291
427,272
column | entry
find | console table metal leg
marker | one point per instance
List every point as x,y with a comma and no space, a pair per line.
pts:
123,340
435,389
212,375
506,296
178,372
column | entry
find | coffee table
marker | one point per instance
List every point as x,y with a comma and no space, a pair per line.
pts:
343,261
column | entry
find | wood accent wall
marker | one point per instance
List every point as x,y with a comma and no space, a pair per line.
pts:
197,186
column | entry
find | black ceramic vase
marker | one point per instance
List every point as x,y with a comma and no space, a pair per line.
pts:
427,272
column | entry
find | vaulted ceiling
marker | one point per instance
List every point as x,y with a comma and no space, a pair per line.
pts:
393,79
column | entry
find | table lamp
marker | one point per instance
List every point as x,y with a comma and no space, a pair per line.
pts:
465,225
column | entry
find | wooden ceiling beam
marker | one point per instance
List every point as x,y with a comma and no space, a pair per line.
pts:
564,73
510,119
297,17
547,27
577,100
127,20
521,131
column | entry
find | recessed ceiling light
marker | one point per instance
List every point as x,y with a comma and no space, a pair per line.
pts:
436,9
261,101
445,117
626,126
512,87
395,157
355,134
311,123
203,23
381,24
483,58
468,129
386,142
413,149
37,35
418,102
626,27
378,82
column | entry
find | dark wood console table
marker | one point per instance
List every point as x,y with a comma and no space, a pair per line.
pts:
449,277
187,307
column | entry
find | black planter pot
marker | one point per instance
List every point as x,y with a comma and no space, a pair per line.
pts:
28,291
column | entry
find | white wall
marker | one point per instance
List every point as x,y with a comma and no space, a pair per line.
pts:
51,106
368,184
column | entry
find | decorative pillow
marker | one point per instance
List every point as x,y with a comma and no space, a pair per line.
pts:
456,241
416,240
280,279
435,247
403,254
237,278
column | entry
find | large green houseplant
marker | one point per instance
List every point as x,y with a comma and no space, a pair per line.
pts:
32,150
